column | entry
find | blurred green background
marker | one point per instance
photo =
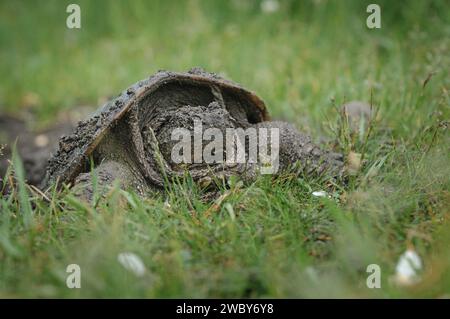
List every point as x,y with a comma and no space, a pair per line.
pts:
297,57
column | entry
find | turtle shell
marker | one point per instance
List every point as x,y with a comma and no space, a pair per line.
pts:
164,89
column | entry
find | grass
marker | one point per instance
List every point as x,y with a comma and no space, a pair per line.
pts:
268,239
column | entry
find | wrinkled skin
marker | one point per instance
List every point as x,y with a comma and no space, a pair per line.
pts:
135,148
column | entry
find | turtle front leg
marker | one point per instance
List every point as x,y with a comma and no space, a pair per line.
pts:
296,147
103,177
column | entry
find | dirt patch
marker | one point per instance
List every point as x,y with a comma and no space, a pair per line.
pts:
34,147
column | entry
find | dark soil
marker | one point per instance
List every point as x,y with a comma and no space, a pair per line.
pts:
34,147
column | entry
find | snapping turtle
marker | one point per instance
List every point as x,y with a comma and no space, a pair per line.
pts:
130,138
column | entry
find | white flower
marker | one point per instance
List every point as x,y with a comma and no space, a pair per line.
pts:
167,204
270,6
320,194
406,270
133,263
